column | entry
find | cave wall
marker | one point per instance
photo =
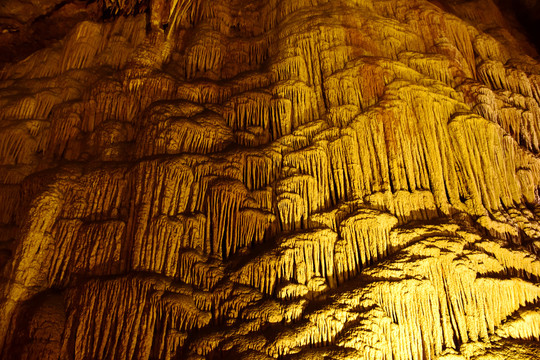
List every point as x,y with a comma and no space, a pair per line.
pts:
284,179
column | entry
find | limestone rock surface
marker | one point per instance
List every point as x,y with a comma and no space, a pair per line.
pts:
292,179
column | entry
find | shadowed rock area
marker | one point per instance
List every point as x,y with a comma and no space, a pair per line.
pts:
278,179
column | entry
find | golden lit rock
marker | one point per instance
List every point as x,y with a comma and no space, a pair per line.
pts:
191,179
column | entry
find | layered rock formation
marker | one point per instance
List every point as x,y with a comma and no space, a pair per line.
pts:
193,179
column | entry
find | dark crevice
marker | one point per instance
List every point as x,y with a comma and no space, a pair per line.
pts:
24,39
527,14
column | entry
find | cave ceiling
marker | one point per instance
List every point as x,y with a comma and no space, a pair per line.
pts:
278,179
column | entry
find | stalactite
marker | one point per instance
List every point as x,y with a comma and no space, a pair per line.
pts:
511,259
205,56
366,238
155,306
95,248
303,102
88,204
435,67
522,325
259,168
412,340
10,201
346,87
259,109
406,206
297,199
487,192
333,218
202,133
312,161
199,270
170,237
298,257
231,223
84,46
278,179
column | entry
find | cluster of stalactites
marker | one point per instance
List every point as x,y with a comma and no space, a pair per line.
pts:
415,316
140,307
226,125
310,262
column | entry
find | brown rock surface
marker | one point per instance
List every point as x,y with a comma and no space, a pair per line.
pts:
189,179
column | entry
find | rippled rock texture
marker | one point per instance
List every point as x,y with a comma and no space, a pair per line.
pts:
268,179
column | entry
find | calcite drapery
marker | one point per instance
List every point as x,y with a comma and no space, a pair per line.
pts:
253,180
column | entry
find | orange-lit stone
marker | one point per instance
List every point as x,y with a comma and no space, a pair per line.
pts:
189,179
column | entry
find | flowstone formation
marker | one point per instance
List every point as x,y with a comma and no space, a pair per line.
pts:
184,179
